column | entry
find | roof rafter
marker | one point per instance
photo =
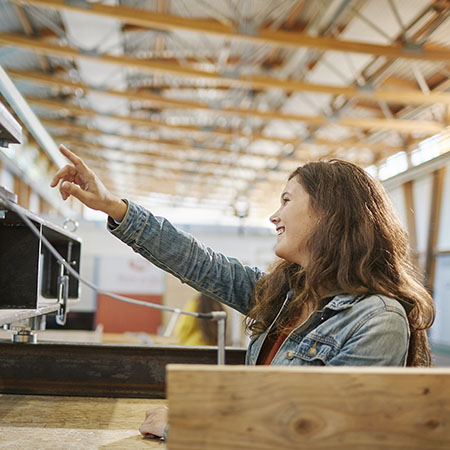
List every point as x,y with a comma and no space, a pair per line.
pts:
428,127
413,96
167,22
78,111
141,157
181,145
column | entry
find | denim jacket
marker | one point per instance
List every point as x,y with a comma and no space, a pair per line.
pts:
349,330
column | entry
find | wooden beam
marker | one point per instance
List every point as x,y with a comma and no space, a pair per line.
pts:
408,196
172,144
151,181
408,126
22,15
300,156
307,407
254,81
151,123
91,369
428,127
438,178
76,110
23,19
133,169
141,157
141,190
158,87
409,96
23,192
167,22
418,36
399,82
353,143
294,13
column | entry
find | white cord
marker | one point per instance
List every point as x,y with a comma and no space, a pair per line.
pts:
74,273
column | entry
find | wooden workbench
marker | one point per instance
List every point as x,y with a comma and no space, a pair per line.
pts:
46,422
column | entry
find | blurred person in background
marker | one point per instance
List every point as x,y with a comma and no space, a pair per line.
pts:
191,330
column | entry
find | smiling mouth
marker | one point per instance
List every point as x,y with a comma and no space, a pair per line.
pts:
280,231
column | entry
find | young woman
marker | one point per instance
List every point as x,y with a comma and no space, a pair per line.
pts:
343,291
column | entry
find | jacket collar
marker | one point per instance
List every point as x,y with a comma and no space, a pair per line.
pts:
342,301
339,301
336,301
345,301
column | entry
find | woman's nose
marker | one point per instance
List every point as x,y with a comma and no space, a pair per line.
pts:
274,218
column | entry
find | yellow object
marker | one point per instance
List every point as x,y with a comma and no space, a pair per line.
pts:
186,330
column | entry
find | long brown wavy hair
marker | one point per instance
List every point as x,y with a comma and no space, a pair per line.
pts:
357,247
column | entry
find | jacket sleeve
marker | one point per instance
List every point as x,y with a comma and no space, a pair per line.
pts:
180,254
381,339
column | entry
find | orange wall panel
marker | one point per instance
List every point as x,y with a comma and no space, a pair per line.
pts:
120,317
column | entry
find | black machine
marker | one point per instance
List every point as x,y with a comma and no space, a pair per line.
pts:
29,272
32,282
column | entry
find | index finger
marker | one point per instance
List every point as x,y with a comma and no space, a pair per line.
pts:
64,173
74,159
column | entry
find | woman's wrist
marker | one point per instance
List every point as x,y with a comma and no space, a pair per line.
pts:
117,209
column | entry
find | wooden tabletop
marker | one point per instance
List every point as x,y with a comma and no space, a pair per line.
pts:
46,422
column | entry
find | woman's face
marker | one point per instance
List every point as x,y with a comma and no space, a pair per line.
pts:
294,221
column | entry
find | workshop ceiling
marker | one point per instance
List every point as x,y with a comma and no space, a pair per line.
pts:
211,104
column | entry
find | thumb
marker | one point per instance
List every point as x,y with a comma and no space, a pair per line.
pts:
68,189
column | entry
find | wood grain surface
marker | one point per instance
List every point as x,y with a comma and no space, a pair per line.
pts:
308,408
45,422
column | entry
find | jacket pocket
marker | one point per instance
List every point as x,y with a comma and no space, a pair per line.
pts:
312,351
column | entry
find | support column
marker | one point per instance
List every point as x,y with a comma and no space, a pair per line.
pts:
433,229
408,195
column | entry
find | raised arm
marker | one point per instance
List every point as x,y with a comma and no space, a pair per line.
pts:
156,239
223,278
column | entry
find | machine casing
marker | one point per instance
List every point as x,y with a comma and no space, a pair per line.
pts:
29,272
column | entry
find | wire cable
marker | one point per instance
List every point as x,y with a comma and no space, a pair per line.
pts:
12,206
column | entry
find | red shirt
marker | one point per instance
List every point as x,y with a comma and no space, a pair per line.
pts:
270,347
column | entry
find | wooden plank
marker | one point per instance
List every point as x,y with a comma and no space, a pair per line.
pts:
96,370
271,408
47,423
438,178
167,22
